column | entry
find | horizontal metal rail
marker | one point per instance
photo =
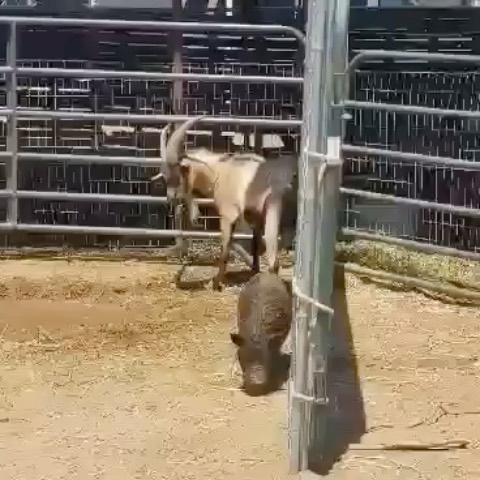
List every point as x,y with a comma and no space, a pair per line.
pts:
93,197
153,25
114,231
142,75
410,109
411,282
398,55
69,115
150,199
89,159
411,157
409,244
474,60
444,207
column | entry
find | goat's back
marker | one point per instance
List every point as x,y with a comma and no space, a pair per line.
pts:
248,183
273,177
265,307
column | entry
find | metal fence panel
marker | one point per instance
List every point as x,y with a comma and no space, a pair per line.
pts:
411,82
415,82
218,53
425,148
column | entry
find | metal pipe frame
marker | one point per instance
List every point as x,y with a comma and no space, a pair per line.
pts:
398,55
319,174
443,207
391,107
141,75
92,197
113,231
13,113
146,25
410,157
89,159
24,113
12,138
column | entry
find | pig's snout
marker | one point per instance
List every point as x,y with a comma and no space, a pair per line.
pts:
256,380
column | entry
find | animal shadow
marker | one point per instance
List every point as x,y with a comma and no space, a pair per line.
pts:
344,422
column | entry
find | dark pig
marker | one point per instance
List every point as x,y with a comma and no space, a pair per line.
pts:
264,318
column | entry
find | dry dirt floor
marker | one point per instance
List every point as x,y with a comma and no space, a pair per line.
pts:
111,371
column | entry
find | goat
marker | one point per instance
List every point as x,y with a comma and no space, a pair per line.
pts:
244,186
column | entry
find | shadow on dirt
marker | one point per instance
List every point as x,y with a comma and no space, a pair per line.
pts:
345,421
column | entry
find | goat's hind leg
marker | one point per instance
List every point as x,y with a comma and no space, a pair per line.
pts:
226,229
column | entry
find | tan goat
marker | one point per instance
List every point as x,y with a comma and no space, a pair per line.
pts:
242,186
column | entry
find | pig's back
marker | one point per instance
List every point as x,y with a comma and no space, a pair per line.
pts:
264,307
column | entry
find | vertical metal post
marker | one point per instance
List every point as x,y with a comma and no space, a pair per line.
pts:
327,208
326,57
177,95
12,139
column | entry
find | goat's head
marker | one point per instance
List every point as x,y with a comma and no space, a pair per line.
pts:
175,168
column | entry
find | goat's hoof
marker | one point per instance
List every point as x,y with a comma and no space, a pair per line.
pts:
216,285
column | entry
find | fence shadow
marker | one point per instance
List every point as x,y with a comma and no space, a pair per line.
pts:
345,421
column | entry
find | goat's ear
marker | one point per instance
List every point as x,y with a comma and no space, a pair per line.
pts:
236,339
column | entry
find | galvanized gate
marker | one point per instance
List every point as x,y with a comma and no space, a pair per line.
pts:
326,107
13,112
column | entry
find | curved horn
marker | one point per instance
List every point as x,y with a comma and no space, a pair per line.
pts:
172,151
163,139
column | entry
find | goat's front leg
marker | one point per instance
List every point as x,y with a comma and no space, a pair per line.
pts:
226,227
192,209
272,227
256,243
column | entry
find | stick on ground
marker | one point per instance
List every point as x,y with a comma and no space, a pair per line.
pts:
418,446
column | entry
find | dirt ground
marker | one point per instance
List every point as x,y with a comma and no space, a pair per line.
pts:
111,371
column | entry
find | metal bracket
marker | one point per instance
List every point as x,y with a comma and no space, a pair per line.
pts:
311,301
325,162
309,399
324,159
325,309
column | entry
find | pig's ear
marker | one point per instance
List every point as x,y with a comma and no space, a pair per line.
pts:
236,339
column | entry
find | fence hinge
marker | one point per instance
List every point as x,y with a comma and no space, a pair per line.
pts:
309,399
311,301
325,159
